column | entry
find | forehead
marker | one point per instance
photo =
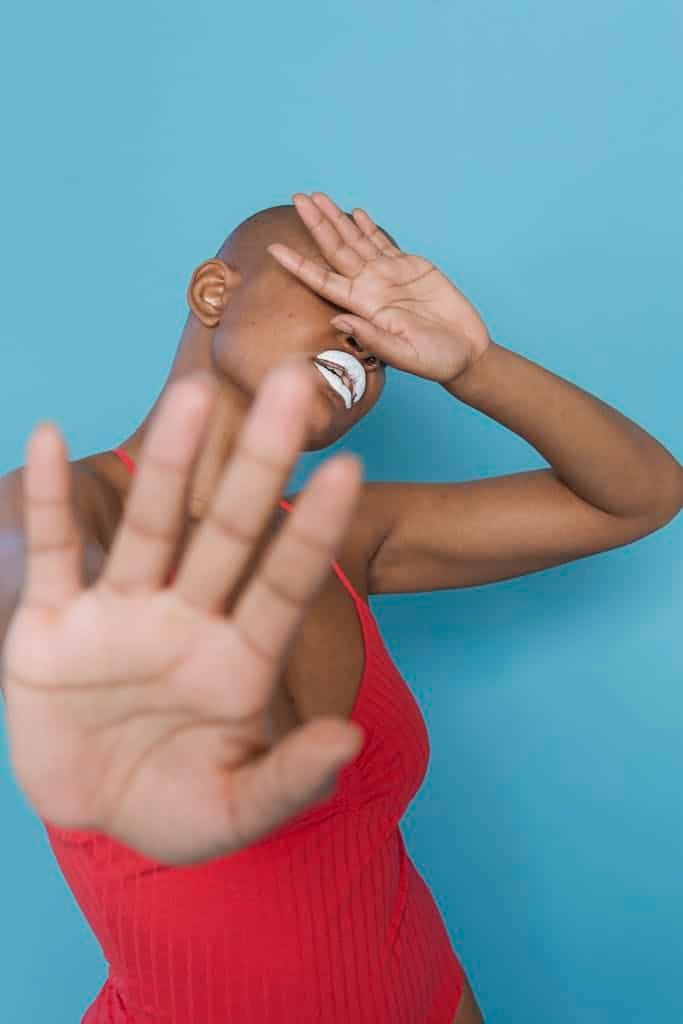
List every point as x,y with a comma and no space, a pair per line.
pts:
278,283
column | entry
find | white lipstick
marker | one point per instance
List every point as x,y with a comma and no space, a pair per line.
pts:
354,371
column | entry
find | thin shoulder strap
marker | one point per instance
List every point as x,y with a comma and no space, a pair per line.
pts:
126,460
130,466
337,568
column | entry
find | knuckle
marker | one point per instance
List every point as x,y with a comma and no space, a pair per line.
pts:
166,467
147,531
273,467
47,547
275,586
308,540
230,531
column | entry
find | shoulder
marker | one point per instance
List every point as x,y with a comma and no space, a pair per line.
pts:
10,500
369,524
11,545
88,498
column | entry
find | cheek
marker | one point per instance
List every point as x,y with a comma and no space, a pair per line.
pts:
246,348
375,388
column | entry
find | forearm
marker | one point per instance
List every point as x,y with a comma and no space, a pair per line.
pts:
604,457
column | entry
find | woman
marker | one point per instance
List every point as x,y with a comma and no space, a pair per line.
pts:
222,757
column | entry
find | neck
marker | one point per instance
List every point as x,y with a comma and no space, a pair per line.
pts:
227,416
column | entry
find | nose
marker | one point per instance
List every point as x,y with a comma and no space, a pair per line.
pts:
357,349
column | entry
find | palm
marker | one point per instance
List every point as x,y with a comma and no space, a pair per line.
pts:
114,744
144,710
403,308
409,298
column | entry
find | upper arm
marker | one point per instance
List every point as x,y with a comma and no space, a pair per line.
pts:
10,580
440,536
11,551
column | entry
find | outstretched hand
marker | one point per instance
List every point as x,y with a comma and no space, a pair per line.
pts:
145,710
401,307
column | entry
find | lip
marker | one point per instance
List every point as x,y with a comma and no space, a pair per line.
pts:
330,392
345,375
346,379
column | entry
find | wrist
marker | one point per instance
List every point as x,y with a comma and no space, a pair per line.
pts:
469,377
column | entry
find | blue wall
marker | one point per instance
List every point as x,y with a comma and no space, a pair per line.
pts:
532,151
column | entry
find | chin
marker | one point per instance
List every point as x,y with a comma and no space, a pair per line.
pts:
315,442
325,427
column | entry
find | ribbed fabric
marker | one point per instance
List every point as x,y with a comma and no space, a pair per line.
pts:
325,921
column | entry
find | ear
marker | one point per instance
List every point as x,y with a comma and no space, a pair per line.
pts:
209,290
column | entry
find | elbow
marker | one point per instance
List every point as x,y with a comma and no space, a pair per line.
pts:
668,500
664,502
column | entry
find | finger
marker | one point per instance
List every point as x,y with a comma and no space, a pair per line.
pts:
249,490
375,234
54,550
338,253
298,560
389,347
331,286
346,228
146,540
294,775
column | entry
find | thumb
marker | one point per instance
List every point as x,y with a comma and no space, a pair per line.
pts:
298,771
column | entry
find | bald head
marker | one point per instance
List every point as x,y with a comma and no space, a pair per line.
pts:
245,247
248,313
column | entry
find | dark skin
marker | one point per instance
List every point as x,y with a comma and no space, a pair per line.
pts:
247,313
509,526
609,482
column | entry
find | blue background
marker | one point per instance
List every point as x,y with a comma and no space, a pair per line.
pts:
533,152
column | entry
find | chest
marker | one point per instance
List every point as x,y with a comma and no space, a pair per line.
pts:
324,669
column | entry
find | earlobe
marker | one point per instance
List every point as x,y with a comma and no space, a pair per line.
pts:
209,290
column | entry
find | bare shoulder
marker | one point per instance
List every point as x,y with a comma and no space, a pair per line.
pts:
10,500
90,503
11,547
11,552
98,512
367,531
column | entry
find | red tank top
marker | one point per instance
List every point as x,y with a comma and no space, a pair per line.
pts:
324,920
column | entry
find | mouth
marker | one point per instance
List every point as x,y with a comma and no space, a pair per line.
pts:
338,370
344,374
333,394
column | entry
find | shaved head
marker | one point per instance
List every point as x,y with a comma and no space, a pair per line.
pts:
248,313
245,246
